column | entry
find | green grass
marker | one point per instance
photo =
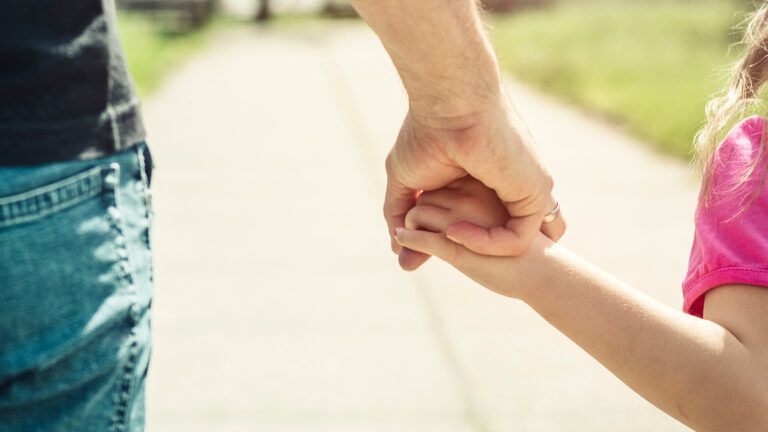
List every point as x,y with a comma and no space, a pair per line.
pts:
153,53
648,65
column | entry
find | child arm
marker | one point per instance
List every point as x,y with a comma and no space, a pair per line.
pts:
711,374
694,369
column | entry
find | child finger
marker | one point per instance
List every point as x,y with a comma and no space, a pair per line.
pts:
428,217
435,244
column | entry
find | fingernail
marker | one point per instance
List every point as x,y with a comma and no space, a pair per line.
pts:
398,233
452,239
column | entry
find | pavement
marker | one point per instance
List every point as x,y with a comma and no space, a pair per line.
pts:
278,305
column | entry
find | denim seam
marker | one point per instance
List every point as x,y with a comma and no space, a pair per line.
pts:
92,179
121,416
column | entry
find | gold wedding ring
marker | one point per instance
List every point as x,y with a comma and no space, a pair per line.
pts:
551,216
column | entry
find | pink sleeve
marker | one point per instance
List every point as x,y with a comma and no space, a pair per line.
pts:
730,245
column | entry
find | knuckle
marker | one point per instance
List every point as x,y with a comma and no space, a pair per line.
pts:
547,182
388,163
412,217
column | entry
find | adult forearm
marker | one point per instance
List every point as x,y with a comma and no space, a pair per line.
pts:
693,369
441,52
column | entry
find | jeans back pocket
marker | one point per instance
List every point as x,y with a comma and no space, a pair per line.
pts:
65,273
54,197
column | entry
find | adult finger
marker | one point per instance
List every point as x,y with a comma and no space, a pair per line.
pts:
397,202
442,197
411,260
555,228
398,199
513,239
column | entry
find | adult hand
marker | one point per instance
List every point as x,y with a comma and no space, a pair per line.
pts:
491,145
458,123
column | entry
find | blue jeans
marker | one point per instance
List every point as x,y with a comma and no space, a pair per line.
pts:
75,294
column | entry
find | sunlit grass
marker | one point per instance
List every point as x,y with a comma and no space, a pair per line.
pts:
648,65
152,52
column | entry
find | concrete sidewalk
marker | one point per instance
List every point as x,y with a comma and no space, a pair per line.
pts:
279,306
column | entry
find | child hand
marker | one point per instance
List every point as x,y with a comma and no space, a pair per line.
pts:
464,200
467,200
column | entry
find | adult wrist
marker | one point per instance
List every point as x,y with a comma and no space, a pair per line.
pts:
451,112
441,52
456,102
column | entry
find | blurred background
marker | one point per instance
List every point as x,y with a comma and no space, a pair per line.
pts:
278,306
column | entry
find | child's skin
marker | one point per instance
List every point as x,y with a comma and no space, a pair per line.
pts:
711,374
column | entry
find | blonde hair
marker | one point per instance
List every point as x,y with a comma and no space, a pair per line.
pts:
746,80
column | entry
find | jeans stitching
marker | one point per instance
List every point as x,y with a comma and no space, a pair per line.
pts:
121,416
51,198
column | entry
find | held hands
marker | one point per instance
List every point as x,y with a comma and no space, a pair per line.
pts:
467,199
491,145
459,122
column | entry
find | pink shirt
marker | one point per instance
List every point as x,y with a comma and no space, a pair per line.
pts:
730,247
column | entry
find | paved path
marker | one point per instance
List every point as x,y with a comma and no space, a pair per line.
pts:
278,304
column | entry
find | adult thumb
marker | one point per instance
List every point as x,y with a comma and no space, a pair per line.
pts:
510,240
